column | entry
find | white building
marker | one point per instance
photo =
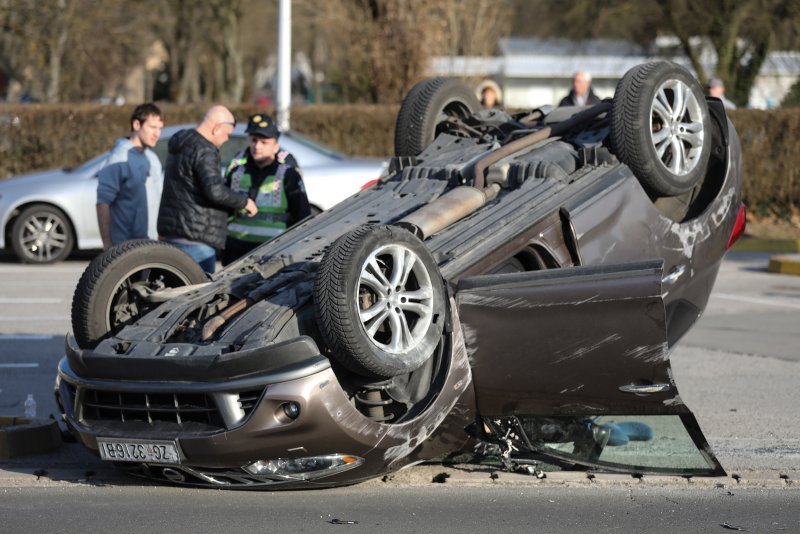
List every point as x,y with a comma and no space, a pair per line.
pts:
534,72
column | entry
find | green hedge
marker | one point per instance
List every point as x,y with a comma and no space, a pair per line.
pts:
46,136
43,136
770,158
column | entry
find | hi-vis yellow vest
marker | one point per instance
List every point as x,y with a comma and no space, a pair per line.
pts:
273,212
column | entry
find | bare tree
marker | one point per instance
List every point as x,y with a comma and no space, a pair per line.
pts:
229,65
741,32
34,42
472,27
389,43
180,26
632,20
55,51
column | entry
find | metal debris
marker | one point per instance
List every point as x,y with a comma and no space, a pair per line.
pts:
733,527
441,478
342,522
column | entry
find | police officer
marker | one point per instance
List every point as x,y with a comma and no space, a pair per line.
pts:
271,177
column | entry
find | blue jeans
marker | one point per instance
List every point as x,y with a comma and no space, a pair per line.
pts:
203,254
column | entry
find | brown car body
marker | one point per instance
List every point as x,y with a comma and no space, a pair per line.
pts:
566,292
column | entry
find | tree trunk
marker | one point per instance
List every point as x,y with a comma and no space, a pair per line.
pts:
63,20
234,73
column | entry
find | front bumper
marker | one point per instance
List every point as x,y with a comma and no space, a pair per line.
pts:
216,446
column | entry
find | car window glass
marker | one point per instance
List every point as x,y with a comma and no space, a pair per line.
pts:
235,144
91,163
161,150
313,145
659,442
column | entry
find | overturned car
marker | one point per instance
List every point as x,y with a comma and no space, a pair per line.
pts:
510,288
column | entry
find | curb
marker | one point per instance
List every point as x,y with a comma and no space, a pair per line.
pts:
20,437
787,253
785,264
90,471
472,476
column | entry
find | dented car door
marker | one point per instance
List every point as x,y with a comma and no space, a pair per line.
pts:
574,362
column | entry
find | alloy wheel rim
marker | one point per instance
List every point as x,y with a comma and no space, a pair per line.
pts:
676,127
44,237
395,299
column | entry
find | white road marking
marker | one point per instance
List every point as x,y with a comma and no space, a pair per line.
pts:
24,337
765,302
23,300
39,269
18,365
33,318
38,283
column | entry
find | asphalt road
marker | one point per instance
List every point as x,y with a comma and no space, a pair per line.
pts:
439,508
737,369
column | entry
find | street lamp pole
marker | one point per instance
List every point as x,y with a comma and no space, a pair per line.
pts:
284,93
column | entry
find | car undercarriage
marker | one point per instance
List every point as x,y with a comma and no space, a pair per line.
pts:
512,284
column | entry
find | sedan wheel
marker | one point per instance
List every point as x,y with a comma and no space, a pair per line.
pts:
42,234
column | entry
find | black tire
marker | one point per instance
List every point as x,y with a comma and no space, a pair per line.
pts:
42,234
375,344
647,132
104,300
426,105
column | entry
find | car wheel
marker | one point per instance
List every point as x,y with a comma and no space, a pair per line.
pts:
427,105
42,234
380,301
110,292
660,127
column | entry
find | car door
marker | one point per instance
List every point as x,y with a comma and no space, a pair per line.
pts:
574,364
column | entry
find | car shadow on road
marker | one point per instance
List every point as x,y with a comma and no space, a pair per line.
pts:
70,463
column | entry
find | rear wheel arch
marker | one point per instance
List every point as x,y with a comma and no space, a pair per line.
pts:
106,297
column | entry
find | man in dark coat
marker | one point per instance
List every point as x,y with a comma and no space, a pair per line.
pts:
195,202
581,93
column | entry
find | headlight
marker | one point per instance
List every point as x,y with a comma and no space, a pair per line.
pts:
307,468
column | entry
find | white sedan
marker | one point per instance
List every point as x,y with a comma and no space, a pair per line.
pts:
46,215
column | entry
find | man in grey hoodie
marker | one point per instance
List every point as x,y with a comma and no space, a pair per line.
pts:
131,171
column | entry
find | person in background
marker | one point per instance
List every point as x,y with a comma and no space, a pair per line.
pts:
716,88
195,203
271,177
490,94
581,93
130,180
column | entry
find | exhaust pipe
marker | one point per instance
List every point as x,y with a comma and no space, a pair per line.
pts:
447,209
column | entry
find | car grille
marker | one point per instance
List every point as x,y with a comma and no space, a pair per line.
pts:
198,410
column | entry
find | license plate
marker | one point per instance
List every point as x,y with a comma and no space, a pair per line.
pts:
131,450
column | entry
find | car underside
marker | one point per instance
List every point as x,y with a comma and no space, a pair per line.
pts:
510,288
